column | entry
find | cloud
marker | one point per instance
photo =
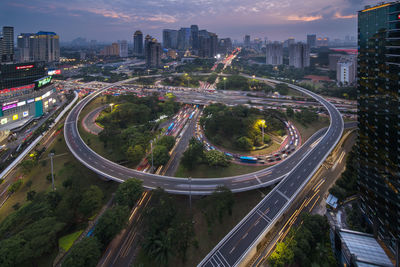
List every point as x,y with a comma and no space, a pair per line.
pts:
304,18
339,16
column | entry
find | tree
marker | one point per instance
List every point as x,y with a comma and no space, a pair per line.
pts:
15,186
217,204
282,255
91,201
168,141
110,224
289,112
129,192
85,253
27,165
216,158
244,143
30,195
282,88
135,153
193,154
160,155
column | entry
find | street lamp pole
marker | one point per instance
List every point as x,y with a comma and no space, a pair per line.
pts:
190,193
225,83
52,171
151,148
263,133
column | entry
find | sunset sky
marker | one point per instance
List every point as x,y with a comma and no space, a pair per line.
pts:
118,19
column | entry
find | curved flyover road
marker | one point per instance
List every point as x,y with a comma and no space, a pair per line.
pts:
305,158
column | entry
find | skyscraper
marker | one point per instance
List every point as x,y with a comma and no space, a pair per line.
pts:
346,70
7,54
153,53
224,45
299,55
194,37
170,38
26,45
147,39
184,35
46,47
138,43
379,118
274,53
312,40
247,41
123,48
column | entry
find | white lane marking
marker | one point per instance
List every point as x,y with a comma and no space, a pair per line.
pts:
268,220
222,256
282,194
257,178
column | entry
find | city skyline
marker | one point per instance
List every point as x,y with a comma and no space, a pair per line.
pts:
108,22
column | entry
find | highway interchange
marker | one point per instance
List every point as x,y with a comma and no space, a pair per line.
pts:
295,171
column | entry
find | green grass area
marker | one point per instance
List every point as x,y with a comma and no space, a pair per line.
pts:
205,171
306,131
93,140
67,241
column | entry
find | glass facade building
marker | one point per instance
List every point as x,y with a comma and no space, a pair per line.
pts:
379,118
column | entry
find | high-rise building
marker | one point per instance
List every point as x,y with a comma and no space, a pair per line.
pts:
379,118
153,53
312,40
170,39
346,70
147,39
138,43
299,55
184,35
333,60
224,45
322,42
111,50
42,46
26,45
247,41
7,54
194,37
123,48
274,53
47,47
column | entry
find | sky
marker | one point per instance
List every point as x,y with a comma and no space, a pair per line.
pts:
111,20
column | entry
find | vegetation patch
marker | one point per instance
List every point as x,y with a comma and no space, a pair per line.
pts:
66,241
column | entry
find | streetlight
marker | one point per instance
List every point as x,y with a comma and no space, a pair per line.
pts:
225,83
190,192
52,171
262,129
151,150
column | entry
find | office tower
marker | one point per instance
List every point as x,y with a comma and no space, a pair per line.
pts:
274,54
333,60
194,37
346,70
312,40
213,44
92,44
1,46
153,53
257,43
170,38
138,43
26,46
47,47
184,38
299,55
123,48
147,39
224,45
112,50
247,41
322,42
7,54
379,118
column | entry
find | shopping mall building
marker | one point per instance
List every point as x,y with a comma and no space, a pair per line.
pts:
26,93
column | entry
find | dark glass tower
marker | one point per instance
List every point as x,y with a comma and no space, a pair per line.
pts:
379,117
138,43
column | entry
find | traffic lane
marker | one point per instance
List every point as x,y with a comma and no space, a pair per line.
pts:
241,240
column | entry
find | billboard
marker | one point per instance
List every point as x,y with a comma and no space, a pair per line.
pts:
54,72
43,81
24,67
